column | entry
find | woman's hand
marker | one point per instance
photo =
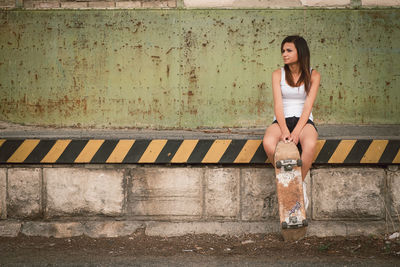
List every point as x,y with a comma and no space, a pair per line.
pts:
285,137
294,137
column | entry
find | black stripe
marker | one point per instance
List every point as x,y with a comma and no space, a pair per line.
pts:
136,151
72,151
8,148
168,151
358,151
232,151
104,151
200,151
327,151
260,156
40,151
390,152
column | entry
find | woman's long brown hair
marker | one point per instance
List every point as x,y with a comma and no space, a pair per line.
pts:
303,53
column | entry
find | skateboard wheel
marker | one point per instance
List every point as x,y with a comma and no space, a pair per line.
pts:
284,225
299,162
305,223
278,164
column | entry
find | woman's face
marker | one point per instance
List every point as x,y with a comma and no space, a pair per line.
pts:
289,53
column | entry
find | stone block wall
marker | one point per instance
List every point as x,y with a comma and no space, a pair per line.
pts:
74,192
124,4
165,200
165,193
349,193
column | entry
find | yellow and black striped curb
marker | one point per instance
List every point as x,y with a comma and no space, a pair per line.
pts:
36,151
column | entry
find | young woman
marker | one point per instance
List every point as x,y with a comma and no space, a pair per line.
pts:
295,88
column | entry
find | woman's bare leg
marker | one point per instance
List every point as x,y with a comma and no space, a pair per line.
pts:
308,140
270,140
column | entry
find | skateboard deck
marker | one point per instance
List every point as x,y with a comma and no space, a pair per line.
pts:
289,186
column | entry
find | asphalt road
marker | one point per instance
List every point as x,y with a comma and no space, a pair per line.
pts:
189,259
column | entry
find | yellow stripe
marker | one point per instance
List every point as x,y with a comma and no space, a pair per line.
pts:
397,158
216,151
248,151
120,151
374,151
152,151
2,141
318,148
23,151
56,151
342,151
184,151
89,151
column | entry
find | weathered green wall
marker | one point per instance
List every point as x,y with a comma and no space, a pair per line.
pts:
191,68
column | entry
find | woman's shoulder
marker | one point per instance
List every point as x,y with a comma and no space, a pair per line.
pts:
315,74
277,72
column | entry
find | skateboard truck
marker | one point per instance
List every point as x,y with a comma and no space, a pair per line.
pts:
293,223
293,219
288,164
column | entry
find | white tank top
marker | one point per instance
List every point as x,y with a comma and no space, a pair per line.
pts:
293,98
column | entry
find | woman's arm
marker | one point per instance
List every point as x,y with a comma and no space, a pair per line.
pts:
308,105
278,104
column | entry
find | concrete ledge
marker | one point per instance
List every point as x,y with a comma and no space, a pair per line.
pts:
380,2
169,229
265,3
10,228
97,229
93,229
241,3
326,3
52,229
325,131
111,228
345,228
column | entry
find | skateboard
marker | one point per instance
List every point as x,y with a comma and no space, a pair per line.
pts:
289,187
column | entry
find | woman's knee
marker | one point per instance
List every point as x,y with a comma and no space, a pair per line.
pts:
308,145
269,143
271,136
